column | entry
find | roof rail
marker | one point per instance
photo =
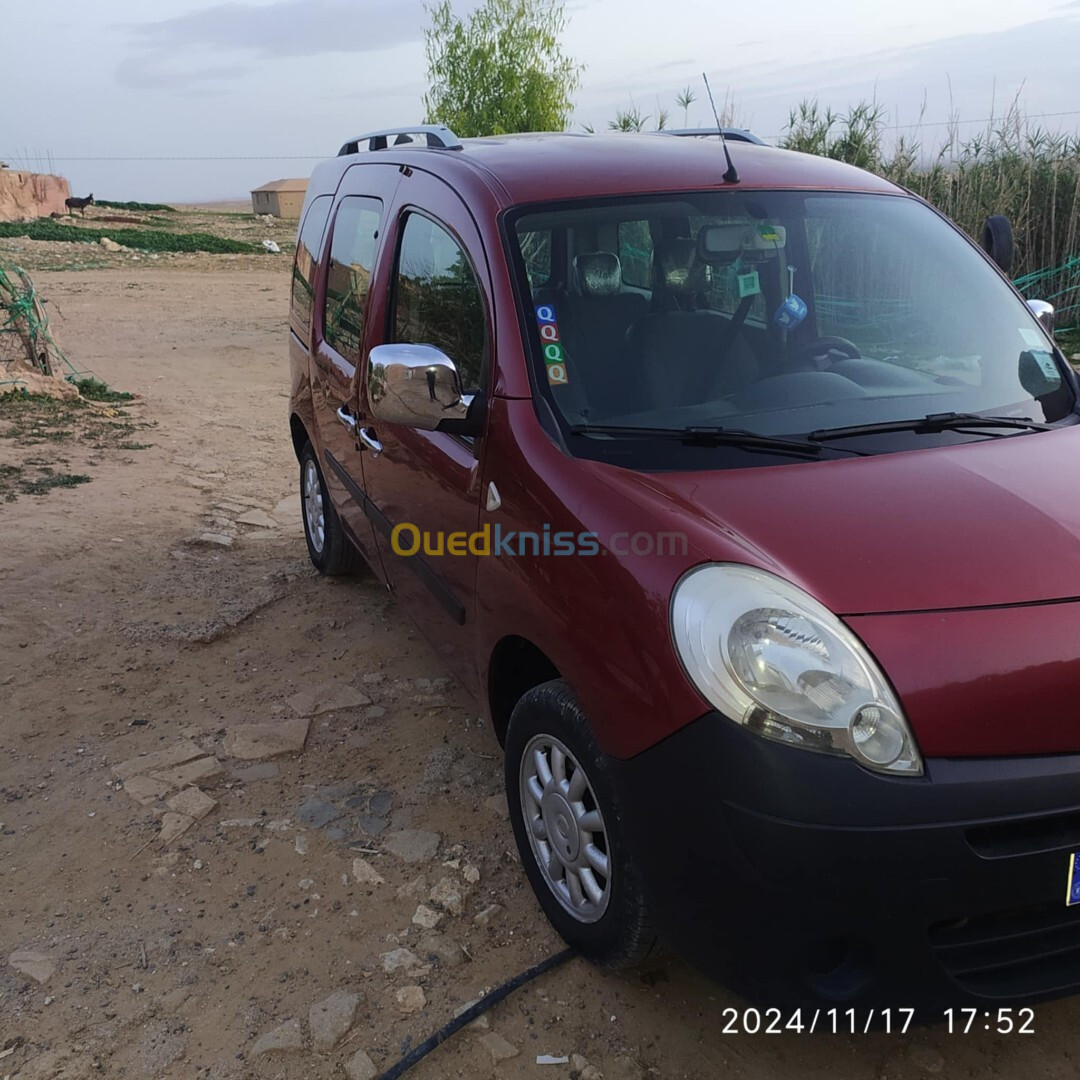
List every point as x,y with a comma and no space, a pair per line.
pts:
733,134
436,136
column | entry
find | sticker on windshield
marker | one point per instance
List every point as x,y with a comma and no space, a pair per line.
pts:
1037,350
769,232
1072,892
749,284
551,344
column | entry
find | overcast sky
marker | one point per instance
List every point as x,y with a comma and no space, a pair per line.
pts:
281,79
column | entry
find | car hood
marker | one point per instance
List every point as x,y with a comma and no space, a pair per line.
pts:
979,524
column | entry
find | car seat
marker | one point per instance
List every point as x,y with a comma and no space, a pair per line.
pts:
593,318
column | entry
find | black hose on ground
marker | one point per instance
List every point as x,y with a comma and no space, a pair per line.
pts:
487,1002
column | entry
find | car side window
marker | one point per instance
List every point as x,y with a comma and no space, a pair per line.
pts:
536,251
352,259
308,246
636,253
437,300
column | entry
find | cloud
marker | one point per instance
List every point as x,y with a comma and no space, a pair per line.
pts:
171,53
156,71
287,27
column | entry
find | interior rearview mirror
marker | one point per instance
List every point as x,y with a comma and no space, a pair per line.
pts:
418,386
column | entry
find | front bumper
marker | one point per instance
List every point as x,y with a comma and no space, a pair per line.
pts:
802,879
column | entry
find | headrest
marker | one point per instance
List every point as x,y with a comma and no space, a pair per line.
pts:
675,264
599,273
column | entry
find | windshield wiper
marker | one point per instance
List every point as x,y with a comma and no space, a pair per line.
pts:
701,436
947,421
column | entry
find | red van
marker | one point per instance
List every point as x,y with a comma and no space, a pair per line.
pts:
741,499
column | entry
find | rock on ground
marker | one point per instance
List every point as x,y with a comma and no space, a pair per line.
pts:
426,918
484,917
447,951
328,697
413,845
498,1047
360,1067
330,1019
258,518
446,895
159,759
399,960
38,966
193,802
366,874
210,539
145,790
410,999
173,826
284,1038
255,742
201,770
316,813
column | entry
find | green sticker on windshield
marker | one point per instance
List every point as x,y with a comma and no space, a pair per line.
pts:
768,232
749,284
1046,364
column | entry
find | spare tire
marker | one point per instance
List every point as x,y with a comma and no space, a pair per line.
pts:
997,241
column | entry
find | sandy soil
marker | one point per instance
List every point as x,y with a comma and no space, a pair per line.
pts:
119,636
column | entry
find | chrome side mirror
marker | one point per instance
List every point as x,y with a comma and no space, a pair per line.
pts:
1044,312
417,386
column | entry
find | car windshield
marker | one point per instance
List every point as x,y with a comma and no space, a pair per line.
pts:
777,313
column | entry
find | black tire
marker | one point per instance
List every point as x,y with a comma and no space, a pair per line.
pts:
997,241
332,553
617,933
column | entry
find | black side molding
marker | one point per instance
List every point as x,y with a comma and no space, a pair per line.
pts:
417,563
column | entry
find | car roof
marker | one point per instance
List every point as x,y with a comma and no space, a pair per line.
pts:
529,168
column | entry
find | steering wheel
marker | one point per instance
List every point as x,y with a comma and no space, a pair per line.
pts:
819,346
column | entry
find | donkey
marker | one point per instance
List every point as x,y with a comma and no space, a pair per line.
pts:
80,204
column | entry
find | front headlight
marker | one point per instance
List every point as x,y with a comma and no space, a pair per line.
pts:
769,656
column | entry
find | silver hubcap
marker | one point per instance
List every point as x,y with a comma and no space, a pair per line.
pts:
313,507
565,827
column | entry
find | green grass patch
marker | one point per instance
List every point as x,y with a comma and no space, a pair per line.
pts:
36,427
47,479
96,390
142,239
146,206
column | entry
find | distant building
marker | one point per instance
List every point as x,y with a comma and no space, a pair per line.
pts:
282,198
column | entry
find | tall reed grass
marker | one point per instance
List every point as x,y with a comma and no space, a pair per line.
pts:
1012,167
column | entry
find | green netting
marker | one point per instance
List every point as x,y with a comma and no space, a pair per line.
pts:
1054,283
22,314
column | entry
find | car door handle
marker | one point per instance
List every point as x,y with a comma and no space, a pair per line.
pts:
347,418
368,439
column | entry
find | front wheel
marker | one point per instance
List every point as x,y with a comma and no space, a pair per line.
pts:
568,829
330,550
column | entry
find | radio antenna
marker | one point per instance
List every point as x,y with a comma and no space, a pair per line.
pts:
732,175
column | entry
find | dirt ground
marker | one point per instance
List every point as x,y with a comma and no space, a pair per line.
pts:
122,634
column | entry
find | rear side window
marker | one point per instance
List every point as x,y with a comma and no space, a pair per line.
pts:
536,251
636,253
352,259
308,245
437,298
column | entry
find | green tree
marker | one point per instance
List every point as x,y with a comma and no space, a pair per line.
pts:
684,99
501,69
